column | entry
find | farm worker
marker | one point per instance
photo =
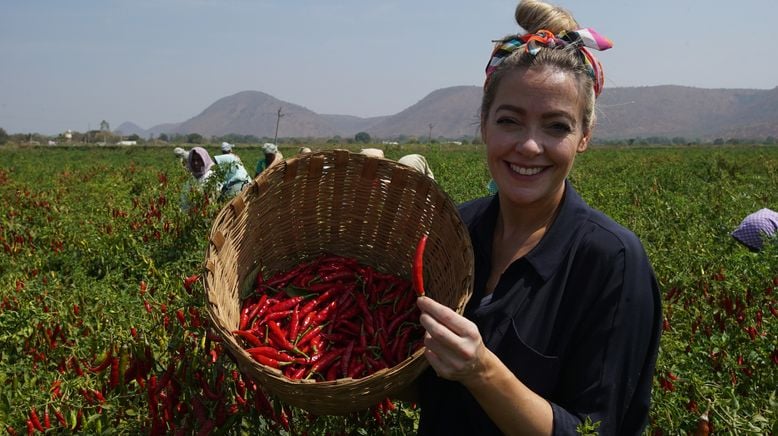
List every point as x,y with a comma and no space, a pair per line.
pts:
182,155
200,165
303,150
756,227
372,152
235,177
417,162
228,148
565,317
271,157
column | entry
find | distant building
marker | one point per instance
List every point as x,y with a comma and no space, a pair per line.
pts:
127,143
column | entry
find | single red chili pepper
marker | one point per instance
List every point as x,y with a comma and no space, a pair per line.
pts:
60,418
310,335
357,370
392,327
367,316
104,364
400,350
35,420
324,313
258,308
286,304
294,324
297,373
418,269
181,317
271,353
244,317
332,373
266,360
309,317
98,395
189,281
30,427
346,359
274,316
249,337
325,361
278,335
309,306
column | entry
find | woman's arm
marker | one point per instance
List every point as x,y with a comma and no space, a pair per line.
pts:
456,351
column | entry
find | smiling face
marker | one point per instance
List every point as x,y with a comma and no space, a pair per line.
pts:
533,130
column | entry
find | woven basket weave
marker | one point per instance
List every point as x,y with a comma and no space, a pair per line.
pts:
374,210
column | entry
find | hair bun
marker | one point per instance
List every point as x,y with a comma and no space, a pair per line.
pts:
534,15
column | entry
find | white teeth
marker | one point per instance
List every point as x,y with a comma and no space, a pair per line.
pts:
524,171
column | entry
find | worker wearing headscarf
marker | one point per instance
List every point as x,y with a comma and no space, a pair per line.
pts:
271,157
417,162
200,165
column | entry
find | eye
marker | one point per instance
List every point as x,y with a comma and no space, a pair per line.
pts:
560,127
505,120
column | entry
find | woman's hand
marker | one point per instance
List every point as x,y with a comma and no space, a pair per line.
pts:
454,346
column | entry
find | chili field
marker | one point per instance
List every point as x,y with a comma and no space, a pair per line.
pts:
103,328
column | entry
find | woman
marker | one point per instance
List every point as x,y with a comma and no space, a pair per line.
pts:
200,165
565,317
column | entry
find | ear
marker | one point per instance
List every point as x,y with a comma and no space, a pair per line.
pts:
583,144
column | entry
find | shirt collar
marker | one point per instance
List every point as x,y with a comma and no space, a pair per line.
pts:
552,248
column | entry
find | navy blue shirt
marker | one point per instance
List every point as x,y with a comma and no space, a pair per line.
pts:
577,320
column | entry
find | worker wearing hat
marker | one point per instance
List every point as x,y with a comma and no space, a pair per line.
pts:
270,157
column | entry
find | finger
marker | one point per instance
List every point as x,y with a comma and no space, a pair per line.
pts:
439,332
455,322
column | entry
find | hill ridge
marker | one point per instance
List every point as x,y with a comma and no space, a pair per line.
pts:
452,113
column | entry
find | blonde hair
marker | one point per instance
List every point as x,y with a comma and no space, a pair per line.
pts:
532,16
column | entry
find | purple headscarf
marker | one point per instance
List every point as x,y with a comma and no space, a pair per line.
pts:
760,224
206,158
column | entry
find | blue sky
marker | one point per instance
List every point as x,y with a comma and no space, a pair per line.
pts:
70,64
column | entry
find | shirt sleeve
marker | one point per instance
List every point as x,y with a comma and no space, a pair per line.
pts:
616,344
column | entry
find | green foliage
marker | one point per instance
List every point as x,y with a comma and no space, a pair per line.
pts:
362,137
588,428
3,136
194,138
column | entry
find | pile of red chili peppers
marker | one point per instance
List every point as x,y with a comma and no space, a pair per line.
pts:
331,318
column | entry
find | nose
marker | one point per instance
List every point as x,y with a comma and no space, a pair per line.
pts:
528,144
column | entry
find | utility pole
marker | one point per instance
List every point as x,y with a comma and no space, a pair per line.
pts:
278,120
429,139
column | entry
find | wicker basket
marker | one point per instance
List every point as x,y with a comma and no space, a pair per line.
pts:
344,203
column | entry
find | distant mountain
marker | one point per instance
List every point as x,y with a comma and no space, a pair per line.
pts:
128,128
256,113
623,113
687,112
